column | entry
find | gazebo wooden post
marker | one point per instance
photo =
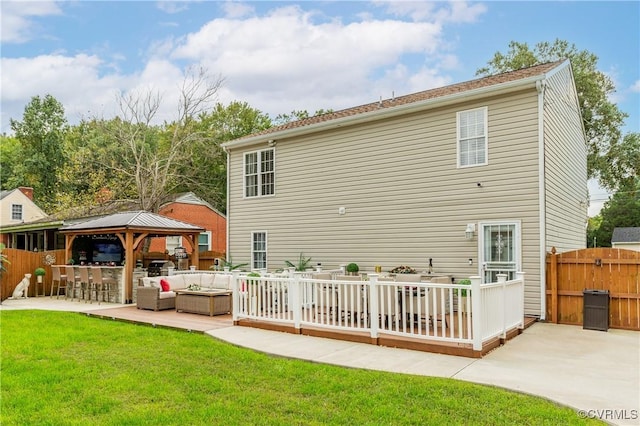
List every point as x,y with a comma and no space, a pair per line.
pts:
129,264
195,258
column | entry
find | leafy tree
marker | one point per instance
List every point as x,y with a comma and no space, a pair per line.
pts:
41,134
602,119
90,173
622,210
10,159
152,157
297,115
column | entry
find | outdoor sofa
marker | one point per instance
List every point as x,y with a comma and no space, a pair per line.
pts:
151,295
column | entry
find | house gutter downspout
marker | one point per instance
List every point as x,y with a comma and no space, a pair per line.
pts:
226,150
540,86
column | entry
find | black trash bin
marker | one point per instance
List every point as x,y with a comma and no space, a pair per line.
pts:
595,314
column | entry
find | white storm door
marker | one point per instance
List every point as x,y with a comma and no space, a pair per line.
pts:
500,250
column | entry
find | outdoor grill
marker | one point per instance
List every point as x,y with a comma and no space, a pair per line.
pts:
155,268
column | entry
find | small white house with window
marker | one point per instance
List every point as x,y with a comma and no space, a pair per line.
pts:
477,178
17,206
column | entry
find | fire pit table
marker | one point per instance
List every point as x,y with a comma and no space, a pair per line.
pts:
205,302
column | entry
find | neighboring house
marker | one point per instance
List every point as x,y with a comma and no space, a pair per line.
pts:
189,208
42,234
17,208
481,177
626,238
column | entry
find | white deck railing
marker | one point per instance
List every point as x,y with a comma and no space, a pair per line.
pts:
418,310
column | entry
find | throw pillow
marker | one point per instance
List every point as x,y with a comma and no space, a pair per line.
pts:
165,285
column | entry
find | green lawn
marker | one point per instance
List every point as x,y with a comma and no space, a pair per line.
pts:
61,368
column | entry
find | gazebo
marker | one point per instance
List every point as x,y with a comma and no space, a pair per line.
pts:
131,228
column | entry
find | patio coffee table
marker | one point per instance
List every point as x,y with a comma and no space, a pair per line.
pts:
205,302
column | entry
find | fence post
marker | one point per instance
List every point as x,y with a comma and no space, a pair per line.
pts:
520,277
297,300
502,279
235,298
373,305
554,285
476,312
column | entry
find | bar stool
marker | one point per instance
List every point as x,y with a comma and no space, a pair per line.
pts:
73,283
85,283
59,280
102,285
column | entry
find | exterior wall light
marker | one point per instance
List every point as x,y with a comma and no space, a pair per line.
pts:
471,229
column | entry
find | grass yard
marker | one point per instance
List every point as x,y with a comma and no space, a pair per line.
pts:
61,368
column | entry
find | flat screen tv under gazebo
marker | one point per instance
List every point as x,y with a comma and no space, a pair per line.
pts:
130,228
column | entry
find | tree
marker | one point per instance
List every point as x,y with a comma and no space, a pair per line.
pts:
153,156
41,133
297,115
10,159
602,119
622,210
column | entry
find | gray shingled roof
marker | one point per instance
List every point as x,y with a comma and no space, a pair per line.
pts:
626,235
440,92
134,220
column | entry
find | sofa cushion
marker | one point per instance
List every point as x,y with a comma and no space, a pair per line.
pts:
166,294
206,280
222,282
165,285
176,282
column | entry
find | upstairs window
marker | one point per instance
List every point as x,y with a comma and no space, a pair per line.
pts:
472,137
16,211
259,173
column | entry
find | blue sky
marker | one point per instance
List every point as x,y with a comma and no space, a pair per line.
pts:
285,56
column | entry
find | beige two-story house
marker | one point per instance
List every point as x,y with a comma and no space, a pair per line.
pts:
481,177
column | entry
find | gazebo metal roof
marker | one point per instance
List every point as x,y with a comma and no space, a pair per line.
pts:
135,220
131,228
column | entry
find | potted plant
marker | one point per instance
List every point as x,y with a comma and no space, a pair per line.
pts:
462,296
352,268
302,265
39,272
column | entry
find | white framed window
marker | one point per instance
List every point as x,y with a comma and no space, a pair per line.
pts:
259,250
173,241
472,137
259,173
204,241
16,211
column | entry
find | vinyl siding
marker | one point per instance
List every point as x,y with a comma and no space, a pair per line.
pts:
405,199
565,165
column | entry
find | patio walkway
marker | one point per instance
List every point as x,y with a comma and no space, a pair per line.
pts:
595,371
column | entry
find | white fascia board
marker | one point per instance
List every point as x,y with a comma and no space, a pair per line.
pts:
389,112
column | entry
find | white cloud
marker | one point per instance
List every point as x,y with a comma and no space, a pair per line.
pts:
286,58
73,80
453,11
234,9
172,7
635,87
17,21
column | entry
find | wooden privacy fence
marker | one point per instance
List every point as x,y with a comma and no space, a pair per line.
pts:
26,262
612,269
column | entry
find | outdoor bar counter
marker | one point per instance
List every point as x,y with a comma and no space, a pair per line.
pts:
117,273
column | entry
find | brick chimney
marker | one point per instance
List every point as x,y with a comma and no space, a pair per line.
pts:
27,191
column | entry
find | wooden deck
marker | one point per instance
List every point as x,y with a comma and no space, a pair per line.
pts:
201,323
168,318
